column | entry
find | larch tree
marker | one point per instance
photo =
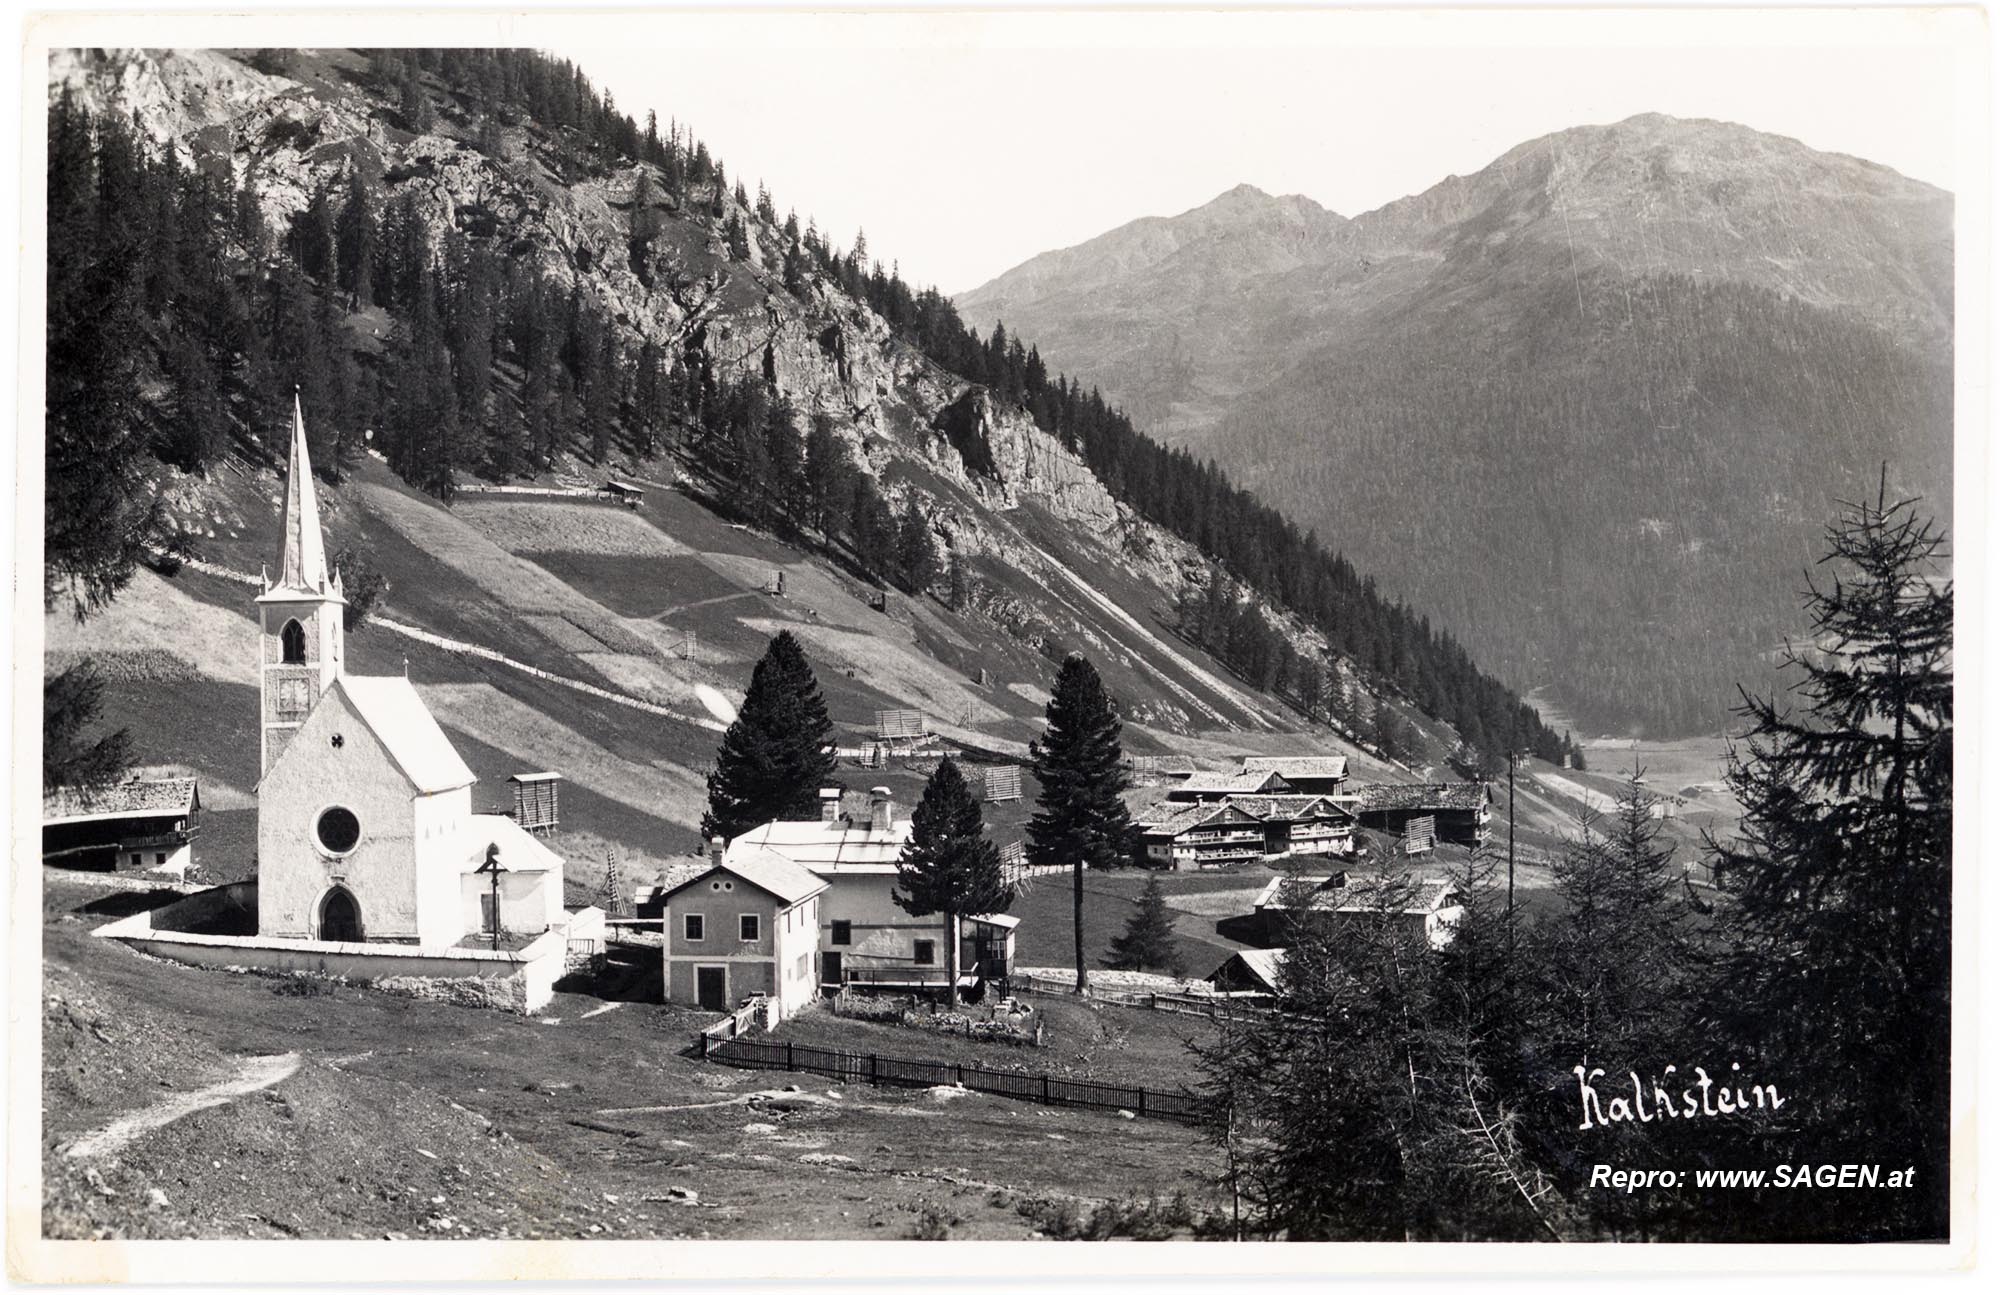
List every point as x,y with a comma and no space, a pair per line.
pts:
949,867
776,755
1080,818
1841,873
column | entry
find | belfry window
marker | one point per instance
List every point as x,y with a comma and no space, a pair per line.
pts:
293,639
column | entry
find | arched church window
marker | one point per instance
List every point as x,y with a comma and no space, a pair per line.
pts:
293,638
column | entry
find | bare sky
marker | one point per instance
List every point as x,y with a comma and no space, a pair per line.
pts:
964,144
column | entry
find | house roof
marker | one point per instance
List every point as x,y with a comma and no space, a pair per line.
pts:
1263,965
133,798
1229,784
1297,766
1423,796
1283,892
1412,895
1005,921
1166,818
390,707
1288,807
822,847
767,870
519,851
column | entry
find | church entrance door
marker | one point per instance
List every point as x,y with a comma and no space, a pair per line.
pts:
340,917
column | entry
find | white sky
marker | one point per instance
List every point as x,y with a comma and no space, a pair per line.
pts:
966,143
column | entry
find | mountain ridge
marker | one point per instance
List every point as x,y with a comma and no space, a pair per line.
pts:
1578,267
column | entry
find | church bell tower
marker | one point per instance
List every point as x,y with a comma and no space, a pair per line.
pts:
300,614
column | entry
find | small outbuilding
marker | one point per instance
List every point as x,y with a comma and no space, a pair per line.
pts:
1462,810
1250,971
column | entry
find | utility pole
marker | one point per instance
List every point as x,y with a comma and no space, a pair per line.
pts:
1513,759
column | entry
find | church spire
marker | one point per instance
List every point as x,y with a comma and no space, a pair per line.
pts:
304,563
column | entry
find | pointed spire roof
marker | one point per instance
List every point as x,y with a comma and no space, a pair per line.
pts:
302,567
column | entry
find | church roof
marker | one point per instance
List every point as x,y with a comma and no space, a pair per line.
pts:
519,851
390,707
302,565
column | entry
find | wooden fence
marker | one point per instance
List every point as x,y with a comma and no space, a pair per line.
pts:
1149,1000
855,1067
743,1018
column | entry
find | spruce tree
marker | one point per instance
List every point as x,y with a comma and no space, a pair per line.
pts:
1841,871
1148,942
1080,818
776,756
949,867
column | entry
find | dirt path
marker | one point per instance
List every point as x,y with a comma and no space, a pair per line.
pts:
254,1075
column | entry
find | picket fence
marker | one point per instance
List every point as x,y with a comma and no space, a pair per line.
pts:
856,1067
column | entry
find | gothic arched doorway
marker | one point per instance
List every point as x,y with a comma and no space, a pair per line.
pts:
340,916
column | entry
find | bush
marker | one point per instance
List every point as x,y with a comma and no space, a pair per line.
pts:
1150,1219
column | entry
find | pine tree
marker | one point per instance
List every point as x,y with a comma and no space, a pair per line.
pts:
1841,961
916,549
1148,943
71,702
1080,818
949,867
776,755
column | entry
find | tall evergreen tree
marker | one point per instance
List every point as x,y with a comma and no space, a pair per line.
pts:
1080,818
949,867
777,754
1841,962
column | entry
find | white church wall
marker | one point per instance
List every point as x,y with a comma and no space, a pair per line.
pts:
294,873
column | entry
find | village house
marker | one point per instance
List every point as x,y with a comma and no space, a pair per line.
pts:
1300,826
145,824
1427,906
866,938
1316,775
365,825
1461,810
1180,837
743,928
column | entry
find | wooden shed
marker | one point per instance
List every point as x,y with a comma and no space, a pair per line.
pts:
535,800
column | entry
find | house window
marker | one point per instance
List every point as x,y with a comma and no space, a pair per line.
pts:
160,858
691,928
843,932
746,926
926,953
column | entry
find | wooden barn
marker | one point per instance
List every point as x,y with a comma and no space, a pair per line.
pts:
1461,810
536,798
143,823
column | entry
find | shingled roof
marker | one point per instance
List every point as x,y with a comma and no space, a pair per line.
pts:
1422,796
134,798
1297,766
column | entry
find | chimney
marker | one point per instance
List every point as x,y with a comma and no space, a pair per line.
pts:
881,809
829,804
715,849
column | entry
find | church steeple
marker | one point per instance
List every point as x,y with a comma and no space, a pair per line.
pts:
302,566
301,612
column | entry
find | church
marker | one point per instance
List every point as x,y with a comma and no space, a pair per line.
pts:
365,825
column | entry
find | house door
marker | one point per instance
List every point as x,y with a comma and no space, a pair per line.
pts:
340,917
710,988
829,968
